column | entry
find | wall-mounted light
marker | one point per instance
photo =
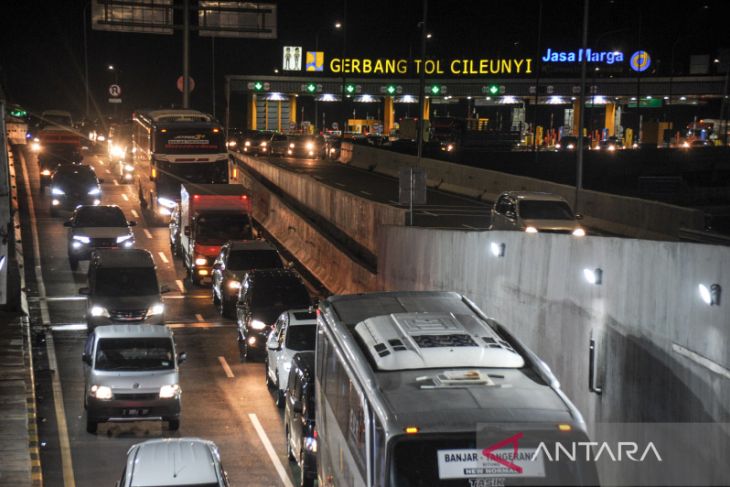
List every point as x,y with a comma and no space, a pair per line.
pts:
497,249
711,295
593,276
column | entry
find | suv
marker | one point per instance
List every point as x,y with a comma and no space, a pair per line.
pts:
301,438
94,227
295,331
73,185
237,258
263,296
131,374
158,462
123,288
533,212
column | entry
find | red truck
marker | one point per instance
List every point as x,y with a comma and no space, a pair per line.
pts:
207,217
55,146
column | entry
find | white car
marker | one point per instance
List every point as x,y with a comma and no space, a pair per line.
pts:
174,461
295,331
534,212
97,227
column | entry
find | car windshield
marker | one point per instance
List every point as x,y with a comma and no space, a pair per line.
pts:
216,229
287,293
301,337
545,210
100,216
240,260
130,281
134,354
82,179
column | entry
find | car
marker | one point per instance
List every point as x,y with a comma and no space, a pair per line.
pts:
570,142
278,144
308,146
610,144
131,374
119,150
697,144
94,227
237,258
123,288
159,461
264,295
295,331
535,212
254,142
299,425
73,185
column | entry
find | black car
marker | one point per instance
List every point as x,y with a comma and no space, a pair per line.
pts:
263,296
301,438
254,142
235,259
570,143
308,146
73,185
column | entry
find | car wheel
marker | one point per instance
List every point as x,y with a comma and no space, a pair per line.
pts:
91,426
74,262
289,452
173,424
279,398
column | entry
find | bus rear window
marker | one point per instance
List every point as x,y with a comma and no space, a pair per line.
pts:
186,142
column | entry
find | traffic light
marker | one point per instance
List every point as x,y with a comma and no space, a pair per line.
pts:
437,89
311,87
258,86
350,89
391,89
493,90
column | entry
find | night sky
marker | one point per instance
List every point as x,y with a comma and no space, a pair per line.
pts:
41,58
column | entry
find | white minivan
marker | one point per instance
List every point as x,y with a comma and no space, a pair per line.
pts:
131,374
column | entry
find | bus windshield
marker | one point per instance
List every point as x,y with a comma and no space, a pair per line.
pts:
193,141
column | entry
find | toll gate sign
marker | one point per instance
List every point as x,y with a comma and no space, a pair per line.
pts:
292,58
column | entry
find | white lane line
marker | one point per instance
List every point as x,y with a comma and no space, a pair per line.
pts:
135,214
163,257
180,286
108,171
60,298
116,183
226,367
366,193
147,233
270,450
340,184
69,327
63,439
124,196
199,317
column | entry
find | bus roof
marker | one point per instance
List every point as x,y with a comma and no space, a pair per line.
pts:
410,352
174,116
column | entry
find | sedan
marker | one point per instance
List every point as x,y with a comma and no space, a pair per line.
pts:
97,227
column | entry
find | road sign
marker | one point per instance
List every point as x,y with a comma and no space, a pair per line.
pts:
315,61
115,100
335,126
180,84
412,186
115,91
291,58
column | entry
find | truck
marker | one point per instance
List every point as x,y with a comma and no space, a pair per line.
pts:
208,216
55,146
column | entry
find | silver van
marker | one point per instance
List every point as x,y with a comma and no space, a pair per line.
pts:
131,374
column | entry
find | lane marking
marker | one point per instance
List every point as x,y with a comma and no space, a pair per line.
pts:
147,233
270,450
124,196
163,257
180,286
69,327
135,214
199,317
187,296
63,439
58,298
226,367
108,171
116,183
366,193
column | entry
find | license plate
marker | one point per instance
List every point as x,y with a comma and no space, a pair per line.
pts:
135,412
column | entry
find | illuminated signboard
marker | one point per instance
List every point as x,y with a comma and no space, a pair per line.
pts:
591,56
456,67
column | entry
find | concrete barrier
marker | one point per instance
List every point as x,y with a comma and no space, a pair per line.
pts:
663,354
607,212
327,261
359,218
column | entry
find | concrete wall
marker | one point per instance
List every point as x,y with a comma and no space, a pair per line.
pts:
647,315
610,213
322,257
359,218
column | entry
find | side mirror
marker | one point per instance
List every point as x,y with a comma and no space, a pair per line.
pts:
68,223
85,358
182,357
578,216
85,291
186,230
132,223
297,406
164,289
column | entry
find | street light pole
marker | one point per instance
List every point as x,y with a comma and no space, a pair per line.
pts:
186,54
581,110
86,64
421,86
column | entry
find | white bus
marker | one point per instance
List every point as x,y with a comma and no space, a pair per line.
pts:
172,147
413,388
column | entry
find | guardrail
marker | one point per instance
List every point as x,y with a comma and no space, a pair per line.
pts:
699,236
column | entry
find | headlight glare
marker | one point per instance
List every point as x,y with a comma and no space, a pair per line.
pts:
169,391
234,285
123,238
579,232
531,230
82,238
258,325
97,311
57,191
101,392
156,309
94,191
201,261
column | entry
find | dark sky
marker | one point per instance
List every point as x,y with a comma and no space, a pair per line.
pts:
41,52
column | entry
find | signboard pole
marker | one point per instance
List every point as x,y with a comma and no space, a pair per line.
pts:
186,54
421,87
581,110
410,194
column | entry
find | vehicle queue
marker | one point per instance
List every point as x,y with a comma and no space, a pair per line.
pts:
378,389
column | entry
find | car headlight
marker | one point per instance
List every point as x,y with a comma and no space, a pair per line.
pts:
35,147
100,138
291,145
156,309
310,444
129,168
166,202
247,143
579,232
531,230
234,285
123,238
169,391
117,151
570,146
310,146
98,311
258,325
287,366
101,392
201,261
46,172
82,238
57,191
94,191
264,144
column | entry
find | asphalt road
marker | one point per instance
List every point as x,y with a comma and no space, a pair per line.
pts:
216,406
